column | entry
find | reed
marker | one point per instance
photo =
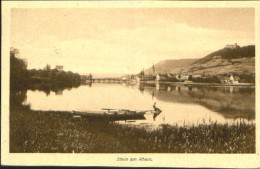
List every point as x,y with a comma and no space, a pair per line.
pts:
32,131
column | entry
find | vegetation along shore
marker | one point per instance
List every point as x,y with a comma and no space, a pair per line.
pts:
32,132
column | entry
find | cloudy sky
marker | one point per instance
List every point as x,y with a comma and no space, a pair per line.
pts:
125,40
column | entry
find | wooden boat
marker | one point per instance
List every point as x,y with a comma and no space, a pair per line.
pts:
112,114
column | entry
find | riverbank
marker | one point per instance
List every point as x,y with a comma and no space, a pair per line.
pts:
32,131
249,85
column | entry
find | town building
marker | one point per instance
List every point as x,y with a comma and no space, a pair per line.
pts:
230,80
163,77
182,78
196,76
147,78
59,68
47,67
157,77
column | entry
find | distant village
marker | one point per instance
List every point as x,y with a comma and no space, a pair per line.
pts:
185,78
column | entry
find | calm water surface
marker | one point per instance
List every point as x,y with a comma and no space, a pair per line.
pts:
179,104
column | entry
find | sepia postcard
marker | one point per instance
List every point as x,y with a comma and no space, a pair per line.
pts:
142,84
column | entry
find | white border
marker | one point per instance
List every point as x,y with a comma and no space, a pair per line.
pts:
162,160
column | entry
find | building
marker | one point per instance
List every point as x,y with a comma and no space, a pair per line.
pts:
162,77
182,78
153,69
230,80
147,78
157,77
232,46
196,76
233,80
47,67
59,68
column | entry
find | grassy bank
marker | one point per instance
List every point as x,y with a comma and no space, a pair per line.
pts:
57,132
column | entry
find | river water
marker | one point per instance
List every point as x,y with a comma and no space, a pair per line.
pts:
181,105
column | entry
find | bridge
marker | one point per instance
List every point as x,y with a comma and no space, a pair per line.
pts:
106,80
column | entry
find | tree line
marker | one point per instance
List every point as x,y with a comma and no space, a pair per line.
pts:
21,77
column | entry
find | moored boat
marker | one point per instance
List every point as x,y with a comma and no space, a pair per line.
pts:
112,114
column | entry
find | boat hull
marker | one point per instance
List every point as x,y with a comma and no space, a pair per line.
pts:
112,115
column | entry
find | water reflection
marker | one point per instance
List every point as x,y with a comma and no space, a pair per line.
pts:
179,104
231,102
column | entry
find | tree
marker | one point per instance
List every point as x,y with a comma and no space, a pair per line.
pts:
19,76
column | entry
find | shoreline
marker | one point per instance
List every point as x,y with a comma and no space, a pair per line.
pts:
200,84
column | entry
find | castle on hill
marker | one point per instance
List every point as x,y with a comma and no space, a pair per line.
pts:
232,46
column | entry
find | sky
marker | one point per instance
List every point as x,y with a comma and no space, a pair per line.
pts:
126,40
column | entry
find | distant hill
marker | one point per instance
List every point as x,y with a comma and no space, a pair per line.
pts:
170,66
226,53
240,60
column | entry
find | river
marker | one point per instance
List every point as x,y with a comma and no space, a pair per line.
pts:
181,105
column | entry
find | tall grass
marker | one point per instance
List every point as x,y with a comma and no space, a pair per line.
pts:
57,132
